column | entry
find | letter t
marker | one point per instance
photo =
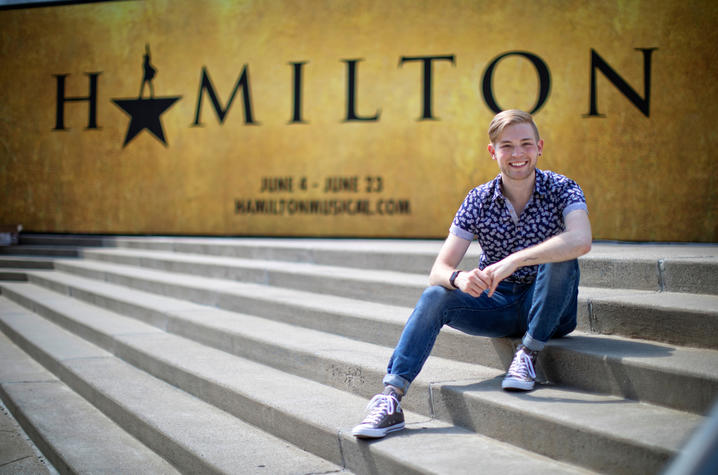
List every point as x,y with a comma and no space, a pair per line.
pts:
427,77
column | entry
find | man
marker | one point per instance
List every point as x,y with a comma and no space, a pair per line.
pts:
532,226
148,73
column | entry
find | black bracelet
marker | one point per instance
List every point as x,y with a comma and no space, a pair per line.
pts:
453,277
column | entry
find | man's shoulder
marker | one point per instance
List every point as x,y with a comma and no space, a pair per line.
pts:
558,188
553,177
481,196
487,190
549,181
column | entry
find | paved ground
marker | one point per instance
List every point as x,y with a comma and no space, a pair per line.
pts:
17,453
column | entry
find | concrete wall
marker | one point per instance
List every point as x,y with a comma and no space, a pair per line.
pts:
392,97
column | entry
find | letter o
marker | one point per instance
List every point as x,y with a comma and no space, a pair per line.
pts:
543,75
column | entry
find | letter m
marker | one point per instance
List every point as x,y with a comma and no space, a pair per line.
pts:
206,85
642,103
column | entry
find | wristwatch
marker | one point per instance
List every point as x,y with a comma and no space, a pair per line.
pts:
453,277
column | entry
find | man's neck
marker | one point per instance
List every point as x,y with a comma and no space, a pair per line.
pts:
518,192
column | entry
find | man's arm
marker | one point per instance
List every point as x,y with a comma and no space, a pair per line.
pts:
575,241
472,282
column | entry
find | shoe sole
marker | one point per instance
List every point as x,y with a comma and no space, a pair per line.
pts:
516,385
368,433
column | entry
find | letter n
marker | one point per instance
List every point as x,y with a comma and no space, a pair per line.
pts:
206,85
642,103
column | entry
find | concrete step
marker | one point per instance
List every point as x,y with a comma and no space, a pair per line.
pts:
689,268
25,262
677,377
175,424
681,319
311,415
74,435
463,394
659,267
45,251
413,256
13,268
643,266
384,286
9,274
75,240
677,318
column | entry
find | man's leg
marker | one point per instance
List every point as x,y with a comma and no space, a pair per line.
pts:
497,316
550,310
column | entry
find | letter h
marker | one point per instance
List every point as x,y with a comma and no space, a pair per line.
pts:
61,99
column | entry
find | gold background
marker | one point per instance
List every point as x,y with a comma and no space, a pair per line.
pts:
648,179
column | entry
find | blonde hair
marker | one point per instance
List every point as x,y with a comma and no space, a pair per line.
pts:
510,117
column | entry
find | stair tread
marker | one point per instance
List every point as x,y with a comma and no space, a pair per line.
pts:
398,314
326,408
701,364
80,435
698,361
10,259
189,422
301,268
677,267
438,370
704,303
429,246
415,246
618,363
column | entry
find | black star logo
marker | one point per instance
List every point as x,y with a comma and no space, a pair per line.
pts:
145,114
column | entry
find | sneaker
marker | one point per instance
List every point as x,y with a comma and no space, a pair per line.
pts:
521,375
384,415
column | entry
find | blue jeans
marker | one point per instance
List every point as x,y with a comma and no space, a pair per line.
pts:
539,311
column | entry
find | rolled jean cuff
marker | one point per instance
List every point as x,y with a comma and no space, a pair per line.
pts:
396,381
532,344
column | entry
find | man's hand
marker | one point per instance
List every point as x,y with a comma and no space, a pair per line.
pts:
498,271
473,282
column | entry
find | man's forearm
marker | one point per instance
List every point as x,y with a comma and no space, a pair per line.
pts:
450,255
440,275
563,247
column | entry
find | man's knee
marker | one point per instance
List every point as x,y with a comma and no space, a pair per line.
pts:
563,266
433,302
435,292
565,270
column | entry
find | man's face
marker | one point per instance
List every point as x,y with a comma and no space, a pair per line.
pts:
516,151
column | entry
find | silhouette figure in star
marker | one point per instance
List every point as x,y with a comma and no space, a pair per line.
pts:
148,73
145,113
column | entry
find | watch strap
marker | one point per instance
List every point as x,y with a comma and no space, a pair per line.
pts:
452,279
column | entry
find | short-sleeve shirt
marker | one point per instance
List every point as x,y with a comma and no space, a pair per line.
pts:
489,216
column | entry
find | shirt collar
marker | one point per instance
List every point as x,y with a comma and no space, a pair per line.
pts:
540,186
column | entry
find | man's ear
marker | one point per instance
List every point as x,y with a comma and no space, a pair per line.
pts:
492,151
539,145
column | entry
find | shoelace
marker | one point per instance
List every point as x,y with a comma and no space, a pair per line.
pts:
379,406
522,366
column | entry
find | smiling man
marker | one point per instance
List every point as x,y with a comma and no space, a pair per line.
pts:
532,226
